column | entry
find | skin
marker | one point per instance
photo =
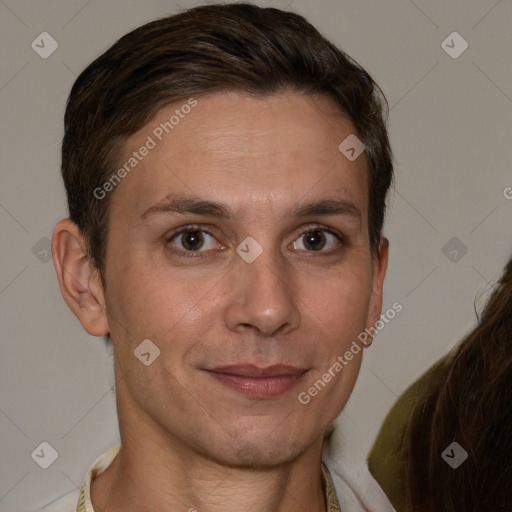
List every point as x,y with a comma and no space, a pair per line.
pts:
187,439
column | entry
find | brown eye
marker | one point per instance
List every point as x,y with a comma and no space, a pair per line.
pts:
192,240
189,240
315,240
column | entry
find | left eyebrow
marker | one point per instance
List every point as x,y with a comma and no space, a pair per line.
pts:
194,205
327,207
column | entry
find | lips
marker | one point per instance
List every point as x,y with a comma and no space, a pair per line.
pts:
258,382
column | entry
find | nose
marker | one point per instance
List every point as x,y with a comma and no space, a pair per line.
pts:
262,296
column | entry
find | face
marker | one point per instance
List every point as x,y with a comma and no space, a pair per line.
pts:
239,246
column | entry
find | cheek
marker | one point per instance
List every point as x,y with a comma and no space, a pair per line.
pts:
340,302
149,301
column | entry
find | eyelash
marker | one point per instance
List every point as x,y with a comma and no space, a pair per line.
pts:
204,254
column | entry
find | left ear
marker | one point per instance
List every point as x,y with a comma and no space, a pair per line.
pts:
379,272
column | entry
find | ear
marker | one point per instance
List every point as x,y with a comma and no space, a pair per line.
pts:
79,282
380,266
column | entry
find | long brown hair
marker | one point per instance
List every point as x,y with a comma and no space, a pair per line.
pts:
469,402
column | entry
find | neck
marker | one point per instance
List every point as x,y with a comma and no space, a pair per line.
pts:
145,477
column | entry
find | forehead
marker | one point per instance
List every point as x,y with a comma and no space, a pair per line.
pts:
244,151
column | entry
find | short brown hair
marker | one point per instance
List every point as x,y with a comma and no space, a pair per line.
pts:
237,47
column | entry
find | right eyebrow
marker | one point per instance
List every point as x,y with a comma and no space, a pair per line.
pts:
183,205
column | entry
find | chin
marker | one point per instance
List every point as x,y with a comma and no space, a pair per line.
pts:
263,449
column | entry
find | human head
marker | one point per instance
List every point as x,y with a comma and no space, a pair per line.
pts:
261,140
238,47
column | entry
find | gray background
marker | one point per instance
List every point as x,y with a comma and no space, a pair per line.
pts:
450,124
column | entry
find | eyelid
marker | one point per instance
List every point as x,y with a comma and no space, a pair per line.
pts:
189,227
321,227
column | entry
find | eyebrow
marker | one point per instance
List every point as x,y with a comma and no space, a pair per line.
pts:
196,205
